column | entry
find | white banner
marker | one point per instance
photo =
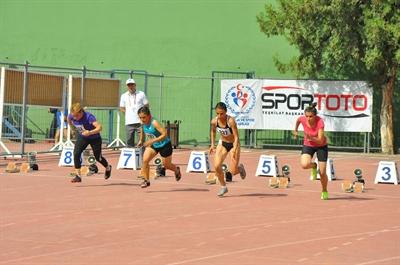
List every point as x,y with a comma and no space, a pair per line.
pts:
345,106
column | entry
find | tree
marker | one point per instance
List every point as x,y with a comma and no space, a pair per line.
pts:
342,39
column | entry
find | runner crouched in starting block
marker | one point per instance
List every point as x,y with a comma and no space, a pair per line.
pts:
228,144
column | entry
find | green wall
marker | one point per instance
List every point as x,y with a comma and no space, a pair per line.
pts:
185,37
173,37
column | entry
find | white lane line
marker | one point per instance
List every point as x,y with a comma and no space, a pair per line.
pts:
269,247
5,225
379,260
93,246
200,244
89,235
302,260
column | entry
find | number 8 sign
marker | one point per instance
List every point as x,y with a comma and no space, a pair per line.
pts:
67,157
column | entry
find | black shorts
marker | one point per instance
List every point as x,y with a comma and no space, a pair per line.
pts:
228,146
164,151
322,152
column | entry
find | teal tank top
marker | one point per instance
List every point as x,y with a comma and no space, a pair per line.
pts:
151,133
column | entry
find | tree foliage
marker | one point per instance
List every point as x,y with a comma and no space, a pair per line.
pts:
352,39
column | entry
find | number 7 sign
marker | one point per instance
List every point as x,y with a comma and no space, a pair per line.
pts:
130,158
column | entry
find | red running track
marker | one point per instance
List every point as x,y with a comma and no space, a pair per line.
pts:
45,219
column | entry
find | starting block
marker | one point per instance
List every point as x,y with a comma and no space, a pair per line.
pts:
354,186
25,168
387,173
160,169
198,162
347,186
85,171
358,187
279,182
273,182
12,168
283,182
211,179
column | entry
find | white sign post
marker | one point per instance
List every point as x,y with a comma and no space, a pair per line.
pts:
130,158
268,166
198,162
387,173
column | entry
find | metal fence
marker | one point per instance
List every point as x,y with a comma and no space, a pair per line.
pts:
187,100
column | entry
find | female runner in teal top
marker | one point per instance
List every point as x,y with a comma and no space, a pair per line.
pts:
154,138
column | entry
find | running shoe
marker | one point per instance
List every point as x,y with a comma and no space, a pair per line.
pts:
324,195
222,191
242,171
178,174
76,179
107,174
145,184
314,173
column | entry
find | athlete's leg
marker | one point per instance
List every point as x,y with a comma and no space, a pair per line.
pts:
234,156
219,157
323,175
80,145
149,154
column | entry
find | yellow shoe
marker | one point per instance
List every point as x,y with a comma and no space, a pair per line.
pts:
324,195
313,173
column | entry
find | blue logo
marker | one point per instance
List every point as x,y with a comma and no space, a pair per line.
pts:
240,99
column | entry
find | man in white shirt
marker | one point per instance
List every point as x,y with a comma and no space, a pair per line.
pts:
131,101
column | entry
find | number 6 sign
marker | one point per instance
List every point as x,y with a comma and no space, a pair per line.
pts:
198,162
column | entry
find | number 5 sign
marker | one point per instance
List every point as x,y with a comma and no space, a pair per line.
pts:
267,166
130,158
198,162
387,173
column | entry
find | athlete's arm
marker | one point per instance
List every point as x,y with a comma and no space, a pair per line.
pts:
212,135
97,129
141,137
232,124
296,127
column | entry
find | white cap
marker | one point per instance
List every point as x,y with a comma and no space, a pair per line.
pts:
130,81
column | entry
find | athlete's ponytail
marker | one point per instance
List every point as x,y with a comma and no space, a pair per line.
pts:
312,108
